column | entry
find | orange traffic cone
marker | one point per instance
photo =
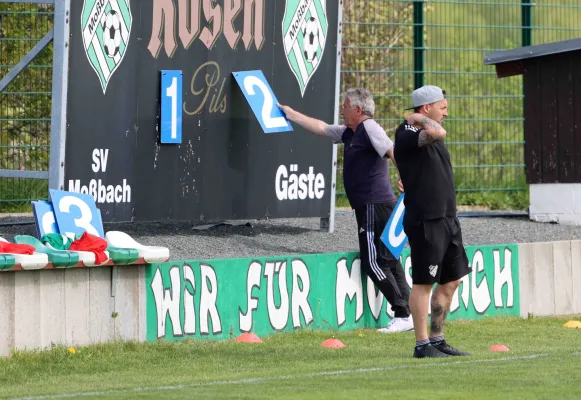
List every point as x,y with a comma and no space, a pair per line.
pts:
499,348
333,343
248,337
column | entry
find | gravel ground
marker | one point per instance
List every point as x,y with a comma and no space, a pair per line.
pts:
300,236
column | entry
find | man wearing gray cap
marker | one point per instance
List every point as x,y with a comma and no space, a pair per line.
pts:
430,221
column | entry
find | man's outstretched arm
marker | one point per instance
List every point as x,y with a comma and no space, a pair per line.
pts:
316,126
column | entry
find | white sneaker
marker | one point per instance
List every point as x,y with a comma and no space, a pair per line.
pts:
399,325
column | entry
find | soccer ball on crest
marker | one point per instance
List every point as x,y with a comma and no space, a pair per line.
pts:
112,34
311,39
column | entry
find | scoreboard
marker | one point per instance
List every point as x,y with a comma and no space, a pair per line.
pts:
171,107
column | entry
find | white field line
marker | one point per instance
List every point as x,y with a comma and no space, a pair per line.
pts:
276,378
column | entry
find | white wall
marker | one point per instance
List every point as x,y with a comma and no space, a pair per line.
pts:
70,306
550,278
556,203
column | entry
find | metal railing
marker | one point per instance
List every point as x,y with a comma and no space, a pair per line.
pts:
25,103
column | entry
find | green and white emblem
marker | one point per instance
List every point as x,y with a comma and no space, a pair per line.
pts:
304,29
106,27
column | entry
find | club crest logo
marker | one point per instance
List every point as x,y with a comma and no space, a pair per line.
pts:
106,27
304,29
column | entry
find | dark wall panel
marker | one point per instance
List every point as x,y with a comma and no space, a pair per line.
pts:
549,124
532,124
565,124
575,117
553,118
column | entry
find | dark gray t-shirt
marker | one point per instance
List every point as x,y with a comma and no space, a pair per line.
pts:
365,169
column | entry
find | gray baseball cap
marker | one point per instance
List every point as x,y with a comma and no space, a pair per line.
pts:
426,95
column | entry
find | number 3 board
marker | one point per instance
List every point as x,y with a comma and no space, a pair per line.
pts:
76,213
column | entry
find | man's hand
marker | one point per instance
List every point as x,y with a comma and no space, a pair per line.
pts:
289,112
311,124
400,186
414,118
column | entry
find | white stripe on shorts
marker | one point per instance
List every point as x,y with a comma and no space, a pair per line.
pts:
371,243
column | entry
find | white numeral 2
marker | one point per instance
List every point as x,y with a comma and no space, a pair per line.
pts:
269,122
172,92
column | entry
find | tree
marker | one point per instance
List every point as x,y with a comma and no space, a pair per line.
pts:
378,54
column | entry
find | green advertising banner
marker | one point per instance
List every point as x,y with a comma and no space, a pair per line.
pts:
219,299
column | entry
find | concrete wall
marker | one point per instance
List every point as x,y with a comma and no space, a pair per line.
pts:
550,278
556,202
73,307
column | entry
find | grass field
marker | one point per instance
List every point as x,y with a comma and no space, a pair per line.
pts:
544,362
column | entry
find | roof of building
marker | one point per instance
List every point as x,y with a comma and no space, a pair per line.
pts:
523,53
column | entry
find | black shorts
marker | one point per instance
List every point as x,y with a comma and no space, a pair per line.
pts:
437,251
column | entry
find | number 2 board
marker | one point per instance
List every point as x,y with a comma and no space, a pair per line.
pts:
262,100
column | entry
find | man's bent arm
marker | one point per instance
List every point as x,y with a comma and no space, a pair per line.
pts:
431,132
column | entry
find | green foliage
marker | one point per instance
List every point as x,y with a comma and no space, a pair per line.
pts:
377,40
25,105
485,122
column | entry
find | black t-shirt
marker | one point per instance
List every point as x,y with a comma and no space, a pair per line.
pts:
426,174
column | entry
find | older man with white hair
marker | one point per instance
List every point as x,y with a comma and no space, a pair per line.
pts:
367,149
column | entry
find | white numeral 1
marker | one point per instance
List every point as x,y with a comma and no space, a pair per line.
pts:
172,91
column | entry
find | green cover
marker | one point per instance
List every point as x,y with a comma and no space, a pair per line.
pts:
119,256
58,258
7,262
122,256
57,241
